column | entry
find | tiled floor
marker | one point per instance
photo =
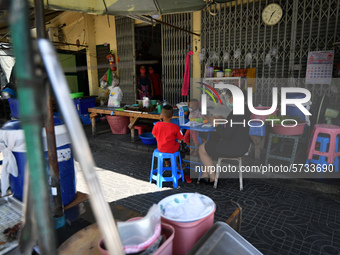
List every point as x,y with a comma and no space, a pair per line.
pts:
277,219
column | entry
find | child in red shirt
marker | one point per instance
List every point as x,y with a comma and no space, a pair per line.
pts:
166,133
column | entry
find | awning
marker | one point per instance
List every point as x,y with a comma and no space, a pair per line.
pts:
127,7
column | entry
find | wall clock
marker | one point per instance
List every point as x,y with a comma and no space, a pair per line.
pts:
272,14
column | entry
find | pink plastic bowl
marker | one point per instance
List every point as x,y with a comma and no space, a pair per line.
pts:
262,117
281,130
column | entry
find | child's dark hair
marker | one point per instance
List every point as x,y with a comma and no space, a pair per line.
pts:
167,111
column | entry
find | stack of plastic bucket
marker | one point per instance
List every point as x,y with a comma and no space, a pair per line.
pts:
10,131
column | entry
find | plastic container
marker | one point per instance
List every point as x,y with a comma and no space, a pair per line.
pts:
148,138
165,249
227,72
118,124
281,130
159,108
262,117
222,239
188,233
292,110
140,103
181,116
257,129
14,106
85,119
77,94
82,104
65,163
153,102
209,72
219,74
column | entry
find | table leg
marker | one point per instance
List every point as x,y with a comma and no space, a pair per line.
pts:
93,121
132,128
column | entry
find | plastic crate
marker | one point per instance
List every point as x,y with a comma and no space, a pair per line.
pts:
14,106
256,128
82,104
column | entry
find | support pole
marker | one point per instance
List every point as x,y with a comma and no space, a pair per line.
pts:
57,207
31,121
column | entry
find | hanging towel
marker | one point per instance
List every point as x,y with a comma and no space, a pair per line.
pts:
186,79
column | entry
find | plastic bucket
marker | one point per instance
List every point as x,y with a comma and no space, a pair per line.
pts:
66,174
118,124
188,233
292,110
65,163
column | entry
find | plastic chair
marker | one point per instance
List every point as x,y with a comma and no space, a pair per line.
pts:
239,159
157,174
324,141
333,131
141,128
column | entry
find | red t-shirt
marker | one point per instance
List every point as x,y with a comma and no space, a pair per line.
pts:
166,134
156,83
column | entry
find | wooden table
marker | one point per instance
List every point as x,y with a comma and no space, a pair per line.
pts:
134,116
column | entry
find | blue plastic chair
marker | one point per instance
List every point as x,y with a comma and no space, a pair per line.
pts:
157,174
324,141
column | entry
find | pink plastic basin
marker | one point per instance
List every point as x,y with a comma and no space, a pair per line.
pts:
281,130
165,249
188,233
262,117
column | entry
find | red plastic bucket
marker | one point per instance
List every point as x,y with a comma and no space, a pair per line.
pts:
262,117
188,233
118,124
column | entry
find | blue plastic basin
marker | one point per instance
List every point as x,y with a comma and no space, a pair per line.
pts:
148,138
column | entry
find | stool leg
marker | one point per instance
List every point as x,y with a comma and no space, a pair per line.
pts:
217,174
151,173
240,174
174,170
160,172
180,164
268,148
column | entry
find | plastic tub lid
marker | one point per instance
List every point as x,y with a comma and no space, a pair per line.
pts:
15,124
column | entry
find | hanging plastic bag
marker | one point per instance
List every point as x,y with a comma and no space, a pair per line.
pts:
226,57
213,55
274,53
268,60
115,96
248,59
237,54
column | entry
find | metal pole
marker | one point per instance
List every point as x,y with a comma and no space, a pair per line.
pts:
57,207
31,119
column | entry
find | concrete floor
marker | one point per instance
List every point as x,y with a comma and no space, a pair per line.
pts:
280,216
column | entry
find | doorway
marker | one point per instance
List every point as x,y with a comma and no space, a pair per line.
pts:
148,49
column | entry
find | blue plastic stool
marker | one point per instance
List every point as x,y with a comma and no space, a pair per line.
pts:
157,174
324,141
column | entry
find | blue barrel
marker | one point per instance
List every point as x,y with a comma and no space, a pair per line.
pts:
292,110
65,163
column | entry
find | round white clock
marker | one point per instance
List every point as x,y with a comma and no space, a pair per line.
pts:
272,14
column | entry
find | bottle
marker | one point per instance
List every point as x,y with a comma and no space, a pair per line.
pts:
164,102
181,116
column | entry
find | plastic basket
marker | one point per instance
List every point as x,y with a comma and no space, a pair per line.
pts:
118,124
